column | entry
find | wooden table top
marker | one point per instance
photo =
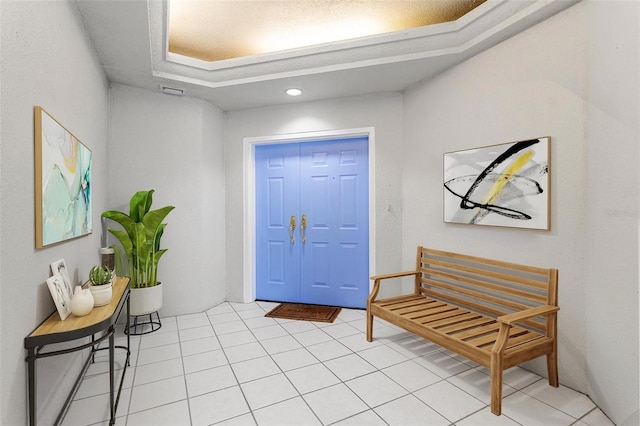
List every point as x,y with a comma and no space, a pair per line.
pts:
54,330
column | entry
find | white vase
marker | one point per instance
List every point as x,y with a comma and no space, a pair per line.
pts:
101,293
146,300
81,302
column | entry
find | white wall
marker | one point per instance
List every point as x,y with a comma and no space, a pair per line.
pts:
383,112
542,83
212,209
47,60
174,145
611,263
573,77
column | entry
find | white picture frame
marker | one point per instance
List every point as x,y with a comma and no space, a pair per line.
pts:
61,297
59,267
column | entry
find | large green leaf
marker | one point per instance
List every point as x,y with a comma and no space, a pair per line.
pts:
158,236
140,204
125,240
127,245
125,221
153,221
143,250
156,257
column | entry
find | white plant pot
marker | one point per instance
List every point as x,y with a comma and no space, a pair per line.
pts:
101,293
144,301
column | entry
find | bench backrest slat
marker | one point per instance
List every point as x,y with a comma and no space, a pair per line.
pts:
490,274
536,297
433,284
488,286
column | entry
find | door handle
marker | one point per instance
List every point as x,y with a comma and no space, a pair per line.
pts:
303,227
292,227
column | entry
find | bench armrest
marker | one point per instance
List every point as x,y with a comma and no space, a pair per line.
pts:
509,319
378,278
394,275
506,321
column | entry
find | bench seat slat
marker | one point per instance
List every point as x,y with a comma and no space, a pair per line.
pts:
452,316
476,331
462,326
426,313
391,301
473,305
422,307
490,339
465,326
516,341
415,303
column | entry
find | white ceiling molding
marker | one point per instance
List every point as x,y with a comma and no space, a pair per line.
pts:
131,40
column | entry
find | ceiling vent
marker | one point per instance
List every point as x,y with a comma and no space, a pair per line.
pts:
172,91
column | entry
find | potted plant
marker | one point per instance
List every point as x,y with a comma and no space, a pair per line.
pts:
101,284
140,240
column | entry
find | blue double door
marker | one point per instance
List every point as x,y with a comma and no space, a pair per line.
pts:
312,222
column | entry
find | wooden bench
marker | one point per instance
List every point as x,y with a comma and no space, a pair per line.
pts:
495,313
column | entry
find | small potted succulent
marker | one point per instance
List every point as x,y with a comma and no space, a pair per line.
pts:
101,284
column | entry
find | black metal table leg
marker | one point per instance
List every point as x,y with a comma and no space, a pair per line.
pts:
31,360
112,401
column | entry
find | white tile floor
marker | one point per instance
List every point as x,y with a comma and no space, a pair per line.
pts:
232,366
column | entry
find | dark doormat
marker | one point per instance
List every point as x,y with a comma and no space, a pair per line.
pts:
299,311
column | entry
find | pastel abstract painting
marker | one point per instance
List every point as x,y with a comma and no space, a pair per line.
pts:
63,183
499,185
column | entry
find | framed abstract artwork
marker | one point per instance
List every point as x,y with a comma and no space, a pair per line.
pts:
63,183
499,185
61,298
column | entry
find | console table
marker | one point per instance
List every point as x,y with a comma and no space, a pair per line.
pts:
99,325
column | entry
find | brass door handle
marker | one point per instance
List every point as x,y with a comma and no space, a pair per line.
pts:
303,227
292,227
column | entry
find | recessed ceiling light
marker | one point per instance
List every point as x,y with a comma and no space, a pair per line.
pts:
293,92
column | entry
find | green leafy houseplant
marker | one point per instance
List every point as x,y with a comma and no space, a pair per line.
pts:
100,275
140,237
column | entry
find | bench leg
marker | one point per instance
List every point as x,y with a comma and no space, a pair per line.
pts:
369,327
496,385
552,369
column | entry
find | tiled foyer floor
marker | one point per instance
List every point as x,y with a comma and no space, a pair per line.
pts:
232,366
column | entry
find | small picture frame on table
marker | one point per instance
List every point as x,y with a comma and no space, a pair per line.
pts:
60,295
59,267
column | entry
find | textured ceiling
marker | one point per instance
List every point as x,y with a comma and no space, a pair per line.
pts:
224,29
131,40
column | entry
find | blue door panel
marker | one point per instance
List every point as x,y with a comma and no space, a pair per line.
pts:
320,267
317,192
274,201
327,182
337,213
348,216
277,190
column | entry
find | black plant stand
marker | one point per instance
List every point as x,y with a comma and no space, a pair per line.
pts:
153,325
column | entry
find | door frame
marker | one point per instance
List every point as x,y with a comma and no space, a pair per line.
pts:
249,194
